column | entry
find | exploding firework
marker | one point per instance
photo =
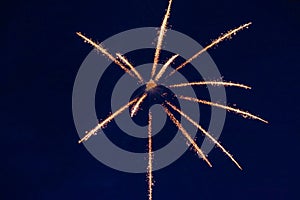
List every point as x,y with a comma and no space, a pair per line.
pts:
204,131
164,68
238,111
131,67
137,105
187,136
214,43
106,121
152,84
160,39
150,158
213,83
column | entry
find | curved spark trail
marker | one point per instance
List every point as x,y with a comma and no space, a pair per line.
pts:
104,52
125,61
162,32
150,158
244,113
188,137
215,42
106,121
163,69
213,83
205,133
137,105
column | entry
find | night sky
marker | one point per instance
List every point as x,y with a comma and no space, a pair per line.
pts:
41,55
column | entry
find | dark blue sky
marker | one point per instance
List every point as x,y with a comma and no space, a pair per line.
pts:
41,55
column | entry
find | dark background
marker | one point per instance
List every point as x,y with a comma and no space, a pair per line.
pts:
40,56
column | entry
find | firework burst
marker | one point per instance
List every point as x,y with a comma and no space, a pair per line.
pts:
152,84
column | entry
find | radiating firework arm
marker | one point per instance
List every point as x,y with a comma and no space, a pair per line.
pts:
205,133
215,42
160,39
213,83
106,121
187,136
228,108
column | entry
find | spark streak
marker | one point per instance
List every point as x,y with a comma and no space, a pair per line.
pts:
104,51
137,105
125,61
213,83
215,42
106,121
163,30
150,158
163,69
205,133
244,113
188,137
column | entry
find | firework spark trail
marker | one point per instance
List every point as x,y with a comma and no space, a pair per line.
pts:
205,133
137,105
125,61
163,69
150,158
104,51
188,137
215,42
163,30
243,113
213,83
106,121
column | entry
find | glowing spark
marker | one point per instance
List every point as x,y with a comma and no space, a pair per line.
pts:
213,83
186,134
106,121
244,113
205,133
150,85
163,69
125,61
163,30
104,51
215,42
137,105
150,158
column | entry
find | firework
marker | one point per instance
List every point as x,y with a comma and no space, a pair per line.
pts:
215,42
187,136
162,32
163,69
137,105
104,51
243,113
204,132
213,83
150,158
125,61
106,121
122,62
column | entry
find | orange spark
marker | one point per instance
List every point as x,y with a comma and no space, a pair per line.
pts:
215,42
162,32
163,69
244,113
137,105
104,52
213,83
106,121
125,61
150,85
188,137
205,133
150,158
